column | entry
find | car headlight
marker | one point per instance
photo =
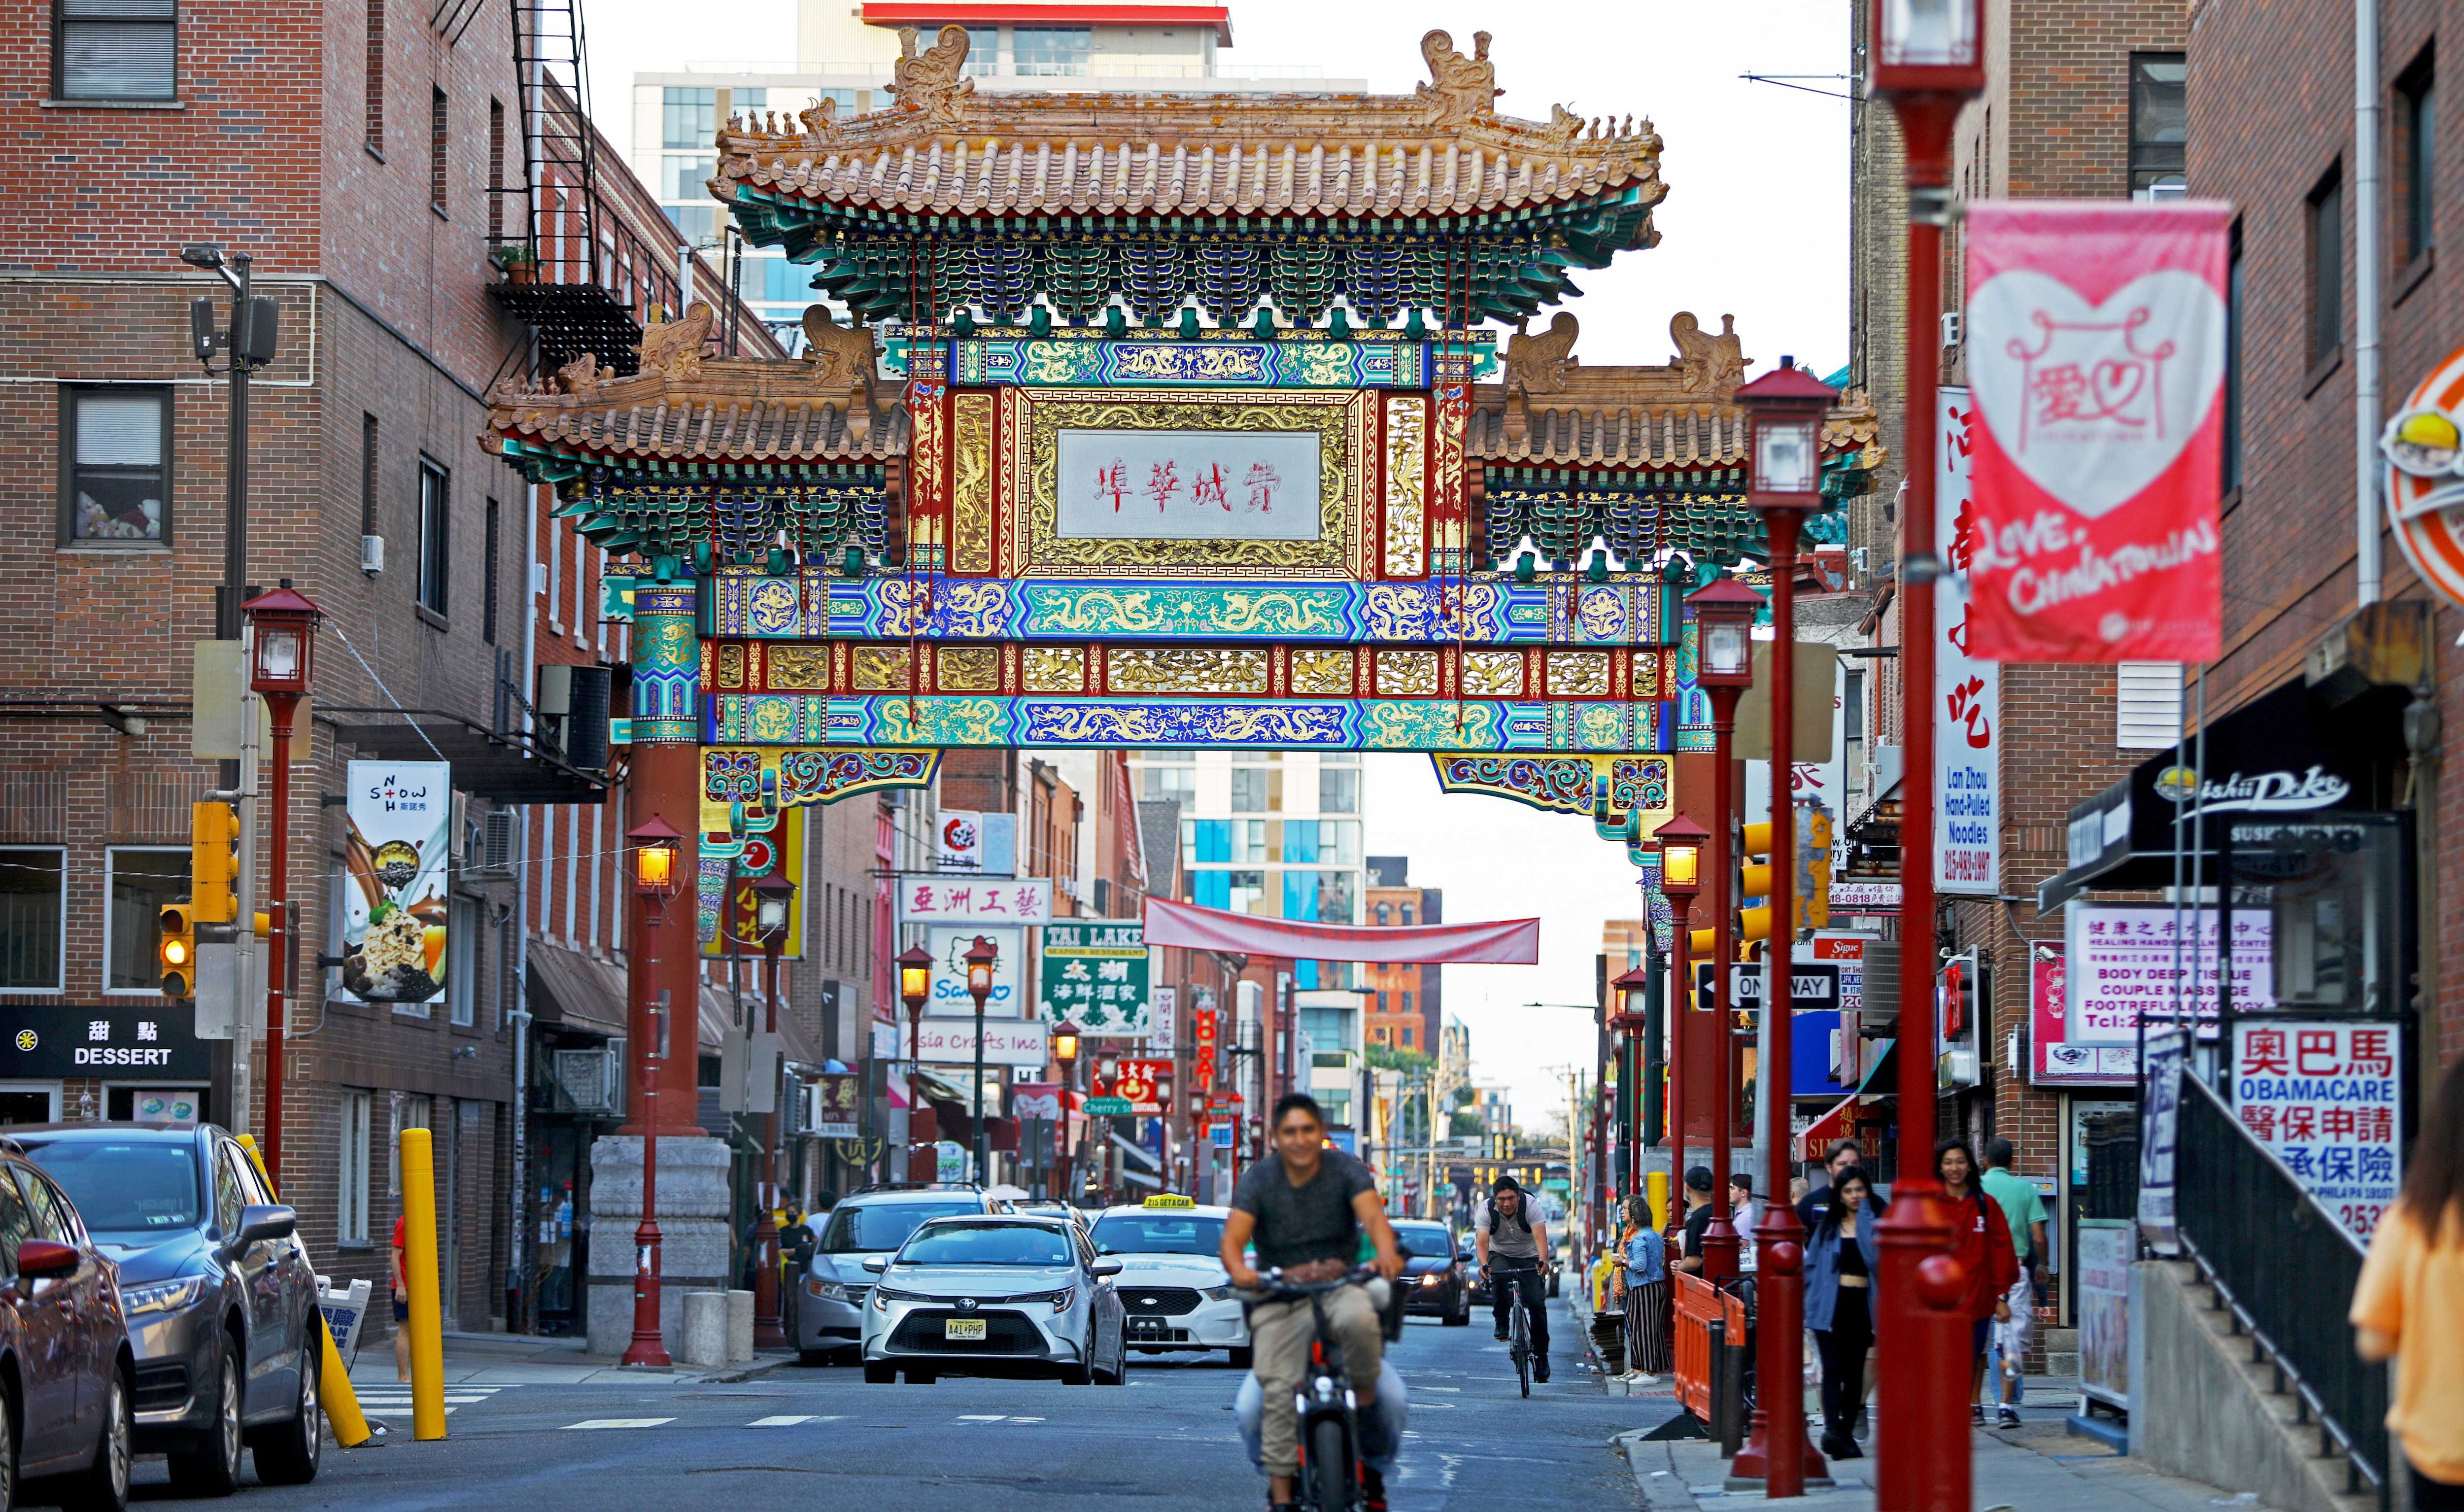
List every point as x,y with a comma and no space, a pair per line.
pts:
1432,1278
1222,1293
1062,1299
827,1290
164,1296
883,1296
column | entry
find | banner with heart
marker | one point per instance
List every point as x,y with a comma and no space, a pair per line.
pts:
2096,352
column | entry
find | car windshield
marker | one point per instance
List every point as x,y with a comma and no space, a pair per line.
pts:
131,1187
988,1245
868,1228
1424,1239
1159,1234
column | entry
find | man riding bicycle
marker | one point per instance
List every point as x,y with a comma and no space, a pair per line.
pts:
1515,1252
1304,1211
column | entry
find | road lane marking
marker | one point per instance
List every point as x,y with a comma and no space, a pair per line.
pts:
980,1417
619,1422
788,1421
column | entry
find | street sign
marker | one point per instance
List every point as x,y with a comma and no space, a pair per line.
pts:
1118,1107
1813,987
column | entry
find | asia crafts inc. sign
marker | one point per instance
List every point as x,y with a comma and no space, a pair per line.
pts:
980,901
2325,1096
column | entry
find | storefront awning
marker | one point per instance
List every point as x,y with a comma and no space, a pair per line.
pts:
1508,942
2288,751
577,990
1831,1125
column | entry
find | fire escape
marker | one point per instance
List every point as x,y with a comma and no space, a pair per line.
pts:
572,270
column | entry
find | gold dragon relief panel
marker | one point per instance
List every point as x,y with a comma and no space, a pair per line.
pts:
971,483
1407,675
1056,669
1407,485
799,669
1492,674
1161,669
1321,670
970,669
883,669
1578,674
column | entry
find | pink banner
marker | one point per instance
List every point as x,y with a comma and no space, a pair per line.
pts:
1510,942
2096,356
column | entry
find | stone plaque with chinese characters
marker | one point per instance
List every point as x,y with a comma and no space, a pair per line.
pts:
1188,485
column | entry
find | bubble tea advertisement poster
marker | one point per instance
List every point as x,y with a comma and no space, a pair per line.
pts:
394,895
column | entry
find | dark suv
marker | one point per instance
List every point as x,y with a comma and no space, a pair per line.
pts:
221,1299
66,1371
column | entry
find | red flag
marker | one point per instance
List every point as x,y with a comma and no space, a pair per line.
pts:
2096,355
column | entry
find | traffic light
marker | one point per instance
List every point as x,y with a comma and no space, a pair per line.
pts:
1753,897
1759,873
1815,834
175,950
213,863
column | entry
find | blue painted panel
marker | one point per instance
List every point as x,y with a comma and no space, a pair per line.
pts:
1304,976
1300,895
1810,1052
1213,889
1300,840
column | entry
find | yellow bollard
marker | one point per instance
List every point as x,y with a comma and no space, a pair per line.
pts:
334,1391
419,1272
1656,1184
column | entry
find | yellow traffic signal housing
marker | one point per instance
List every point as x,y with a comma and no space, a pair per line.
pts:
1813,870
175,950
213,863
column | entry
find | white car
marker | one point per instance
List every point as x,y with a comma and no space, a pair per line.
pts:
1174,1293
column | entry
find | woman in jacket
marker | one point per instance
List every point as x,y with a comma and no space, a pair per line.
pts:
1842,1257
1645,1270
1985,1255
2410,1303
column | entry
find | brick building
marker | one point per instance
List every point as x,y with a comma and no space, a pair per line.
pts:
1405,1002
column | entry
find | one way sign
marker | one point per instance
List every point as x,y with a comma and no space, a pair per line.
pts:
1812,988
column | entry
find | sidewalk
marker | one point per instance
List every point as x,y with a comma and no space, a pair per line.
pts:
513,1359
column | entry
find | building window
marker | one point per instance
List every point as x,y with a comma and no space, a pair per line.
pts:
410,1110
1407,914
1407,1028
2326,283
32,884
1049,51
367,474
375,103
1170,781
2416,138
487,578
983,50
1250,789
1248,889
115,466
462,972
2159,116
351,1199
141,882
115,50
1338,790
438,121
1383,918
495,169
2233,315
688,118
1338,902
1407,1003
435,534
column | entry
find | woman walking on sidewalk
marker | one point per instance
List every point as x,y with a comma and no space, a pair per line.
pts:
1645,1273
1842,1257
1985,1255
2410,1303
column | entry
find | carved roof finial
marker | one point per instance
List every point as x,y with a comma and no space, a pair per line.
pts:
929,79
821,120
1710,366
1537,365
1460,87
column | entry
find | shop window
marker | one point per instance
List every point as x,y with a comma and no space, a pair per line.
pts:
112,50
142,881
32,883
410,1110
115,466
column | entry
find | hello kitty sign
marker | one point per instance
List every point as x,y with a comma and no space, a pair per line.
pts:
2096,352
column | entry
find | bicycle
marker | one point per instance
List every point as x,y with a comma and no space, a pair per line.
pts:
1518,1327
1329,1426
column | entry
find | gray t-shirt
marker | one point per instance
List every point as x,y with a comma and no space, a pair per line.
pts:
1308,1222
1509,1238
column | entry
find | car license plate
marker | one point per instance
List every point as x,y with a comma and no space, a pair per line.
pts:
963,1328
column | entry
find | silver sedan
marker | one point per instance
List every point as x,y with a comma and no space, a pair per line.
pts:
994,1294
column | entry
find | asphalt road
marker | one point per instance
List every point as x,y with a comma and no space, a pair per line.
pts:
823,1438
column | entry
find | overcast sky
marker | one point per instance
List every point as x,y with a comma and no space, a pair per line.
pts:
1754,225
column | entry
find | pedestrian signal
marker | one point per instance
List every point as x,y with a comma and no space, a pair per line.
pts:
175,950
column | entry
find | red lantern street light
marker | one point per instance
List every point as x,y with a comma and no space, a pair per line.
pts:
282,665
979,959
656,848
1681,877
1723,613
1628,1016
914,986
773,902
1065,1049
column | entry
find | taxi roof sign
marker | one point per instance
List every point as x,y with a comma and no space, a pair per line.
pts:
1170,1199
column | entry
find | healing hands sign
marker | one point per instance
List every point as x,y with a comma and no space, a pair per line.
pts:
2096,352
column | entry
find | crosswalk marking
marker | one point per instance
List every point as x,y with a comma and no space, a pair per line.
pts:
994,1417
619,1422
788,1421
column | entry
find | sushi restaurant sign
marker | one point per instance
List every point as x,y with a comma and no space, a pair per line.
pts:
394,895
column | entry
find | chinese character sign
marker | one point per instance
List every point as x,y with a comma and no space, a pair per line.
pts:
1188,485
2324,1096
394,902
837,1106
1095,974
1139,1083
1967,688
2121,963
974,900
2057,1057
2095,348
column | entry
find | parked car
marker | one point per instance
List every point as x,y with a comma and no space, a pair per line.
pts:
67,1370
1467,1261
876,1220
1435,1280
1175,1292
221,1296
994,1294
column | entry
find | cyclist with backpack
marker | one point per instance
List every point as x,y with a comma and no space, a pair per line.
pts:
1514,1252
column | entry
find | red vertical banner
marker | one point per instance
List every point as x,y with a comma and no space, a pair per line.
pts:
2096,356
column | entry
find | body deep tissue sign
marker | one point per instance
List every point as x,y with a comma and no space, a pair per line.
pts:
2095,350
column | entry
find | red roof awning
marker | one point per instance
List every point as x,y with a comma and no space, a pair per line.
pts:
1508,942
1831,1125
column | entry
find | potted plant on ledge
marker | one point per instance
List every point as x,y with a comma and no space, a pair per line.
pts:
514,260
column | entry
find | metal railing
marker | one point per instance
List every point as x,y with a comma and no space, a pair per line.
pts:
2282,1265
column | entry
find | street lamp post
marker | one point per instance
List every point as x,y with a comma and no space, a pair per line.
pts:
655,846
914,985
1929,60
981,956
1784,412
1064,1050
774,901
1724,612
281,673
1681,877
1627,1021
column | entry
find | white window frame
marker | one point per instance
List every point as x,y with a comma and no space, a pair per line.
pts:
409,1110
60,985
110,871
351,1199
463,922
